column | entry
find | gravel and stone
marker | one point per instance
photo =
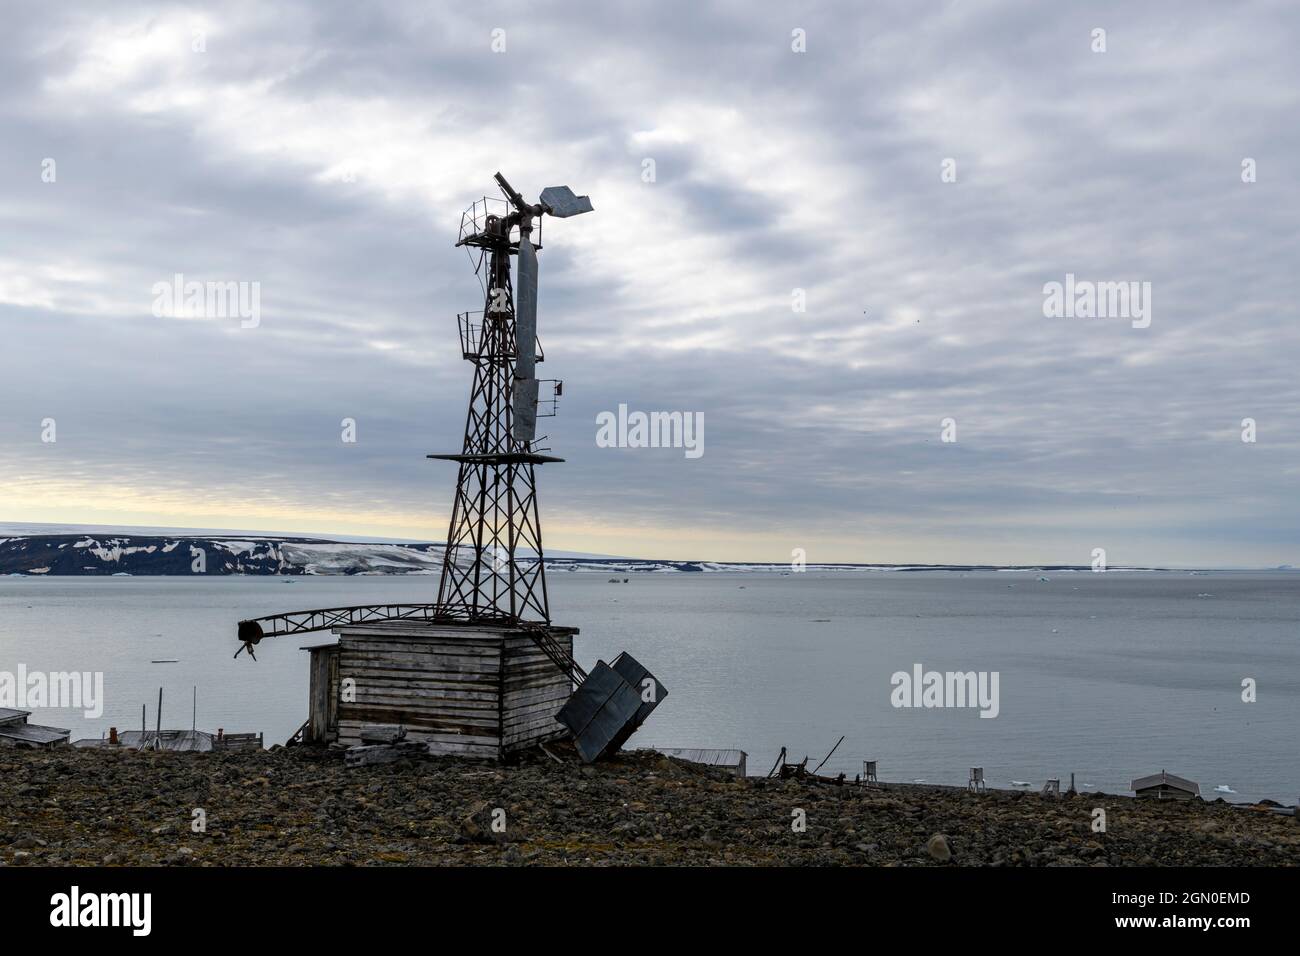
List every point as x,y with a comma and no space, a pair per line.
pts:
301,806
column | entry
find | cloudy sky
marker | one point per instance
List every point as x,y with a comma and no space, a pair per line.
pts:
325,151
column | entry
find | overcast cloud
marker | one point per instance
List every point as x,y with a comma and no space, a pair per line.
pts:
326,151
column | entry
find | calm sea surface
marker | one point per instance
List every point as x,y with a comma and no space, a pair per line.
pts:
1109,676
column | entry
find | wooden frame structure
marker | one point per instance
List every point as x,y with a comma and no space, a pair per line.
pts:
469,690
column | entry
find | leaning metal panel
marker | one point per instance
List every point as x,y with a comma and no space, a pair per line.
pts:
599,711
646,684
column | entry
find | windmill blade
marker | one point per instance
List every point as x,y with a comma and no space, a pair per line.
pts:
523,425
562,203
524,400
526,310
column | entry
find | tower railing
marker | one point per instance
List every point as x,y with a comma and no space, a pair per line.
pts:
470,325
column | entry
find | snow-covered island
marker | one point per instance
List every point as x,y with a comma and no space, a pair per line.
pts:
97,553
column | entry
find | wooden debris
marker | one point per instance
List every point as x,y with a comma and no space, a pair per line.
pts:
732,761
382,733
368,754
225,741
828,756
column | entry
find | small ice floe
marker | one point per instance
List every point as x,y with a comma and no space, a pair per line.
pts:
1055,631
1204,595
1224,788
1021,783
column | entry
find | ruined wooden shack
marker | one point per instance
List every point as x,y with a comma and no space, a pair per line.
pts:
15,731
732,761
1165,786
468,690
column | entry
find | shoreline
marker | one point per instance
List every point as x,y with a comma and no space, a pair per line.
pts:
301,806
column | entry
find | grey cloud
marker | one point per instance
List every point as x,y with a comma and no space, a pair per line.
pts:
776,170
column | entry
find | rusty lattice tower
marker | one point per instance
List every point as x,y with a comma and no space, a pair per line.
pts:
494,570
494,567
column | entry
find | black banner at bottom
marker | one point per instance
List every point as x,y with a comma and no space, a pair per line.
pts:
363,905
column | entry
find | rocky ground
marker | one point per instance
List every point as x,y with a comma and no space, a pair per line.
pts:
303,807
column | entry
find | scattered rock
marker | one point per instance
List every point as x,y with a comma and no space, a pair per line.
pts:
301,807
938,848
476,826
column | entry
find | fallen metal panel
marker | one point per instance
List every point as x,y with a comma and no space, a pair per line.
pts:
609,706
599,711
590,696
631,670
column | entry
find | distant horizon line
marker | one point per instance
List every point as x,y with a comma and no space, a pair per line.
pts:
20,529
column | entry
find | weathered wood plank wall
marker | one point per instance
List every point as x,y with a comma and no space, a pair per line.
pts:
468,691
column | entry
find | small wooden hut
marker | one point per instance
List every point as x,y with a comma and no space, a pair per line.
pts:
15,731
732,761
1165,786
469,690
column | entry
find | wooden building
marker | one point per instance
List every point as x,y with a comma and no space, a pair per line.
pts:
177,741
1165,786
15,731
732,761
473,691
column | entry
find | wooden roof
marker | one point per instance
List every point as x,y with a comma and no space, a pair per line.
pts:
1166,779
33,733
713,758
